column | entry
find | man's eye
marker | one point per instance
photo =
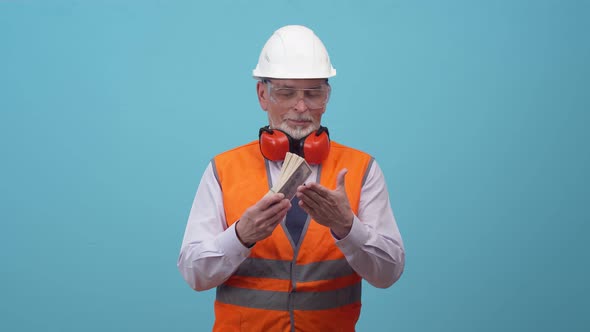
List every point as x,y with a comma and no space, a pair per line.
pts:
285,93
315,93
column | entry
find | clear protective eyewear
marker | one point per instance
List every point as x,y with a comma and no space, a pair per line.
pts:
314,98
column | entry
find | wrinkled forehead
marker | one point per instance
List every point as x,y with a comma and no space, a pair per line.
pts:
299,84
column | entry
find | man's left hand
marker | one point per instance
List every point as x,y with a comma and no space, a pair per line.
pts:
330,208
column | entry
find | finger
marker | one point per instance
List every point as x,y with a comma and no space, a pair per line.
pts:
317,188
306,208
340,183
301,188
277,208
311,199
276,219
318,197
314,213
270,200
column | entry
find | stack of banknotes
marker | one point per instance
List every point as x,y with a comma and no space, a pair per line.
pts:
294,172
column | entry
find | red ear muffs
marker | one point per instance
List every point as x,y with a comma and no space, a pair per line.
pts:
274,145
316,146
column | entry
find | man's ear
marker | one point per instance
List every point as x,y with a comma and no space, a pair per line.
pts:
262,93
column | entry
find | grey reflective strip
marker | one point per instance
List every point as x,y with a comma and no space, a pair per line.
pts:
277,269
268,178
327,300
264,268
215,172
269,300
251,298
367,171
323,270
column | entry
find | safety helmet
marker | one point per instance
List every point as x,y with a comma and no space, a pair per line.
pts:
294,52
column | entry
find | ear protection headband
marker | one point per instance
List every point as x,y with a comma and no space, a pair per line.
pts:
275,143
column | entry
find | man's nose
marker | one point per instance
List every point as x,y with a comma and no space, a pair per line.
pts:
301,106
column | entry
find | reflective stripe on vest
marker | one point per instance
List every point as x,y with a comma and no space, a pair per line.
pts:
269,300
277,269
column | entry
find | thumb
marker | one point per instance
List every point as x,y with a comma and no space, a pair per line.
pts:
340,183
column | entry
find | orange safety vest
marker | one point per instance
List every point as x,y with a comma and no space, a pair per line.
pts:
278,287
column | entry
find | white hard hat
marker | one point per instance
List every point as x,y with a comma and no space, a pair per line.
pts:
294,52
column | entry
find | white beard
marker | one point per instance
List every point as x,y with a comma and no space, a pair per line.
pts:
298,132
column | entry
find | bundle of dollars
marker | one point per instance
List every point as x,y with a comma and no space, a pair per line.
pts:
294,172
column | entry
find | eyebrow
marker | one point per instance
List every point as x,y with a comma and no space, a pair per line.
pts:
292,87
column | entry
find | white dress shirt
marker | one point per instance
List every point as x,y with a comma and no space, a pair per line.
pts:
211,251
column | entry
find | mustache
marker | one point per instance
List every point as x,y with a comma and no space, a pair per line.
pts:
300,118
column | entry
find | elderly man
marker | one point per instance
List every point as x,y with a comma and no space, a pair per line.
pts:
281,264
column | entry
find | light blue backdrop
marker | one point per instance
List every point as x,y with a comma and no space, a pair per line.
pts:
477,111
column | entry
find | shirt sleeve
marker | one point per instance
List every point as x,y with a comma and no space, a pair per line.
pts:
210,252
374,246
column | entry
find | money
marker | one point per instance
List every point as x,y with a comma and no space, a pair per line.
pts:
294,172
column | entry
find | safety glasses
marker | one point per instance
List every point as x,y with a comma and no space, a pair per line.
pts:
314,98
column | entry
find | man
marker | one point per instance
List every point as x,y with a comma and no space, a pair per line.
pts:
282,265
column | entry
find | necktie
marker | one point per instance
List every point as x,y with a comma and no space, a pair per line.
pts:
295,220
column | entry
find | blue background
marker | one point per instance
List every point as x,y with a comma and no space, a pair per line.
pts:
477,111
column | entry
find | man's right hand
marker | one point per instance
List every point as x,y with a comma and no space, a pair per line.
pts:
259,221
